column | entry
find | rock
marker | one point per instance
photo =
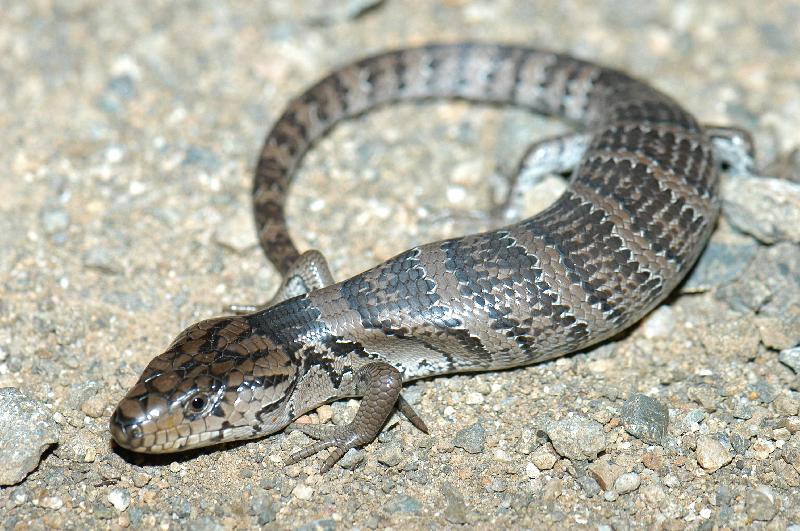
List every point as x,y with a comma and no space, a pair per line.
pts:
455,510
761,449
732,339
791,358
263,509
764,392
786,406
780,332
660,323
576,437
628,482
94,407
705,395
27,429
742,408
404,504
765,207
652,494
552,490
791,452
645,418
353,459
532,471
604,473
474,398
544,457
711,454
590,487
391,455
769,285
322,524
120,499
720,264
471,439
761,504
303,492
55,220
653,460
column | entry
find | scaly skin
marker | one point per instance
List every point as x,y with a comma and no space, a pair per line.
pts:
640,205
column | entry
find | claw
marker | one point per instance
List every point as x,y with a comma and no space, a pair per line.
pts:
341,438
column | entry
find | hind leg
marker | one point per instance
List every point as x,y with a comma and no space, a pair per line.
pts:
558,154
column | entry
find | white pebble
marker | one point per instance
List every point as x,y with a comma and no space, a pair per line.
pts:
120,499
474,398
303,492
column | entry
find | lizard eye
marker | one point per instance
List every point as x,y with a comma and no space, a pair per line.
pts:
197,404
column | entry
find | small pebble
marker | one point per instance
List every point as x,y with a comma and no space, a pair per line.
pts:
760,504
474,398
471,439
303,492
403,504
576,437
552,490
590,487
532,471
544,457
390,456
645,418
120,499
653,460
791,358
354,458
652,494
628,482
711,454
604,473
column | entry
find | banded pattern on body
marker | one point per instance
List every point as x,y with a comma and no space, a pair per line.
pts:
640,205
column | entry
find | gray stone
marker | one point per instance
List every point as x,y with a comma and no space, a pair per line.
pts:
589,486
205,523
404,504
27,429
791,358
765,392
390,455
471,439
352,459
576,437
720,264
628,482
761,504
55,220
765,207
323,524
264,509
645,418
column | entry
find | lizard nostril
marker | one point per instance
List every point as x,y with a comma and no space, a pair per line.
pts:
123,432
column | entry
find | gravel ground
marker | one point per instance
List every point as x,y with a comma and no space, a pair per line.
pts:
131,132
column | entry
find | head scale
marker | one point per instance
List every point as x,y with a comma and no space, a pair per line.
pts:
218,381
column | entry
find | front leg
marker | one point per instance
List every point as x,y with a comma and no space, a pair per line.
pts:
308,273
380,384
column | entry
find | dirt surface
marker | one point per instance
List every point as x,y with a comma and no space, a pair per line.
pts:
130,134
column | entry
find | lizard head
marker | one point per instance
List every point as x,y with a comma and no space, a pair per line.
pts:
218,381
